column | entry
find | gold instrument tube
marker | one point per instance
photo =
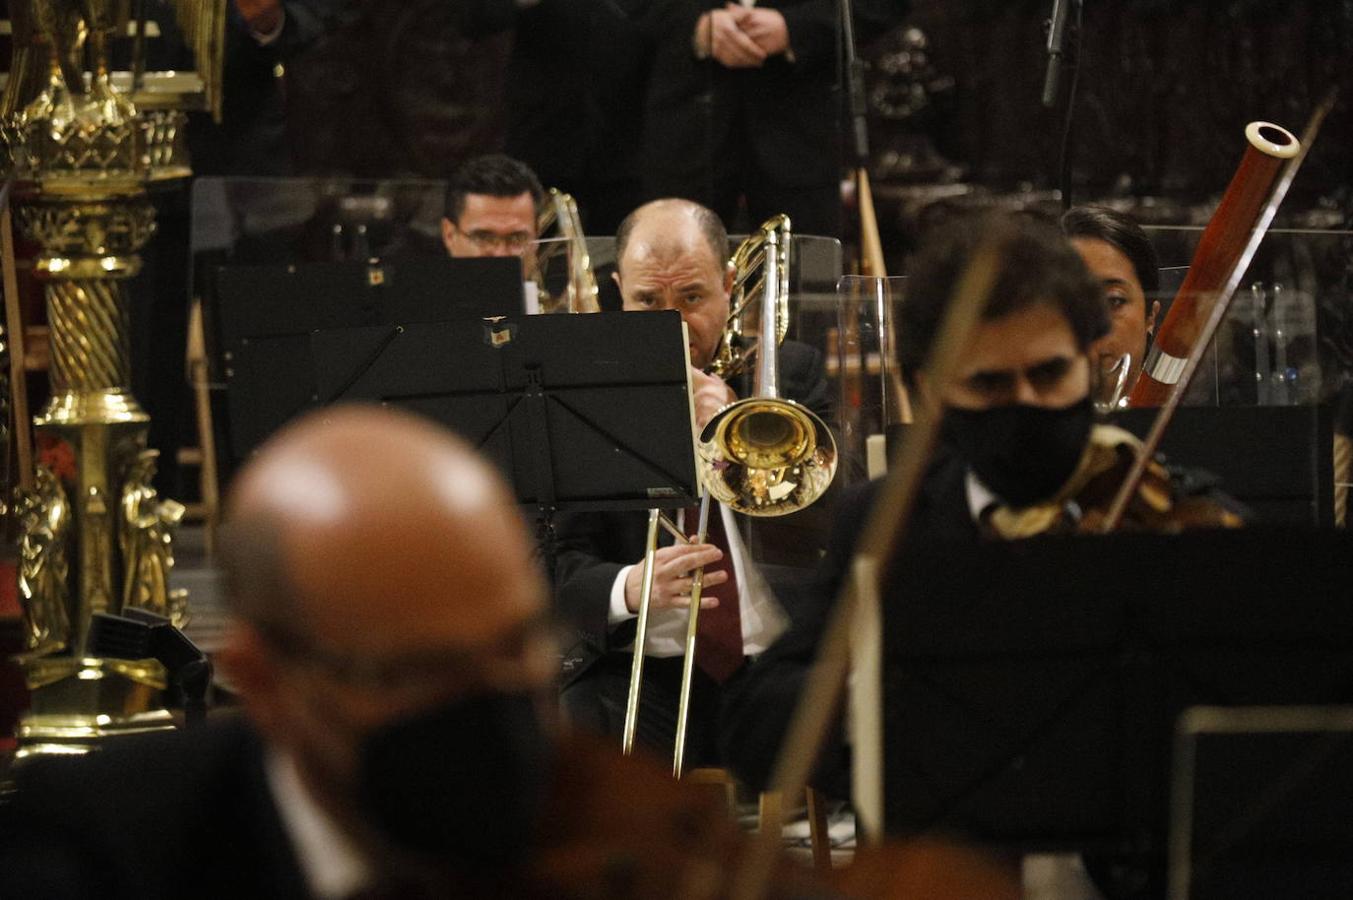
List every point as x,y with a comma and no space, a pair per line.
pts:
640,636
559,214
688,662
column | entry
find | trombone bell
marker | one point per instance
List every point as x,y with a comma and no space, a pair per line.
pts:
766,456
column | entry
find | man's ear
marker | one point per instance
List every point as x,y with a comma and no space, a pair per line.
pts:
730,272
449,232
252,671
922,389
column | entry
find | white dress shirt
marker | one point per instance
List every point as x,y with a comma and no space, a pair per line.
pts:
762,618
980,497
333,866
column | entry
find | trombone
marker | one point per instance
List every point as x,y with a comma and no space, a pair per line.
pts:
558,217
761,456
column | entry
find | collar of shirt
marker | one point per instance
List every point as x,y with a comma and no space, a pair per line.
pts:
980,497
331,863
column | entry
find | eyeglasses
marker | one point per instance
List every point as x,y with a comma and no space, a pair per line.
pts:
487,240
513,660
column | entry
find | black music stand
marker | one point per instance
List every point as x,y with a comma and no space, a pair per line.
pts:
263,318
1260,803
579,412
1277,460
1031,688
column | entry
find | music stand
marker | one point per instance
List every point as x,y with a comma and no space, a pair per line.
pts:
1260,803
263,317
1287,477
579,412
1031,687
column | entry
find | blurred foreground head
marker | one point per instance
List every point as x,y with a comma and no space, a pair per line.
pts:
389,635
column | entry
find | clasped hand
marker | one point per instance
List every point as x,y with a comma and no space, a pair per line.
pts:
740,37
260,16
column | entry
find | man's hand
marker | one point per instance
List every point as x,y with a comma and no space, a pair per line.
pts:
766,27
673,568
261,16
717,34
710,394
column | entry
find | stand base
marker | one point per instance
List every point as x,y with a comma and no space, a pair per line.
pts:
96,700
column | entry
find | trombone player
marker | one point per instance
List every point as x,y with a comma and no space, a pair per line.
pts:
672,254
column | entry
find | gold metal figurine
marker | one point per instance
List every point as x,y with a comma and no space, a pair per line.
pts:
83,144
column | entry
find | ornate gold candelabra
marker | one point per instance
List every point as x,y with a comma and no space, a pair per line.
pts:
95,536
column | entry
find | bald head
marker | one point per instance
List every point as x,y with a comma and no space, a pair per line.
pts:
671,227
390,534
672,255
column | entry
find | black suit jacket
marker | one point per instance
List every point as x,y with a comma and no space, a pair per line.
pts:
593,547
179,814
785,112
758,705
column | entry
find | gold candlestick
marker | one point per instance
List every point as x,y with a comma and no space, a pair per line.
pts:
95,536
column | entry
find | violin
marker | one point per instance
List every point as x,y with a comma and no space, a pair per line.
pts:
1157,502
618,826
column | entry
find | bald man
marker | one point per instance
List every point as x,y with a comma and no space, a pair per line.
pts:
389,647
673,254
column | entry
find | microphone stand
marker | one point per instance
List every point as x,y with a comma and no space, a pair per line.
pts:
855,88
1056,51
895,400
1057,60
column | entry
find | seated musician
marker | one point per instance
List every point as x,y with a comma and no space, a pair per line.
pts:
1119,254
1019,453
672,254
491,205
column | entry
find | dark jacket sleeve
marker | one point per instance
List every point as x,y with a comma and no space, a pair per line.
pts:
309,20
803,378
590,551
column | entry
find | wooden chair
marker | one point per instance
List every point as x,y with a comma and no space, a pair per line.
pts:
770,812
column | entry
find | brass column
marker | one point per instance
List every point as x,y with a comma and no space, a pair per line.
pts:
95,537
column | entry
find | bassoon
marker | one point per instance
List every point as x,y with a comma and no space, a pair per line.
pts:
1224,240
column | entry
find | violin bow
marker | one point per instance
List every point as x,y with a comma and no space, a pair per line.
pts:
857,603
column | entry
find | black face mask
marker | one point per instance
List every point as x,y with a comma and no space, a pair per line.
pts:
1022,453
464,783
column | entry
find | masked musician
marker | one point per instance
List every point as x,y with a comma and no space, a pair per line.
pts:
672,254
1019,454
491,205
1119,254
383,604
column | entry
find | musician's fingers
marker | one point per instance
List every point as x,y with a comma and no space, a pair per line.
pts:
747,49
714,577
684,602
690,557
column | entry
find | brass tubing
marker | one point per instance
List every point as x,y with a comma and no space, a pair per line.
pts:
688,662
640,636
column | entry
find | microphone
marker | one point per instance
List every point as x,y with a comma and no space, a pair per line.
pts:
1056,51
